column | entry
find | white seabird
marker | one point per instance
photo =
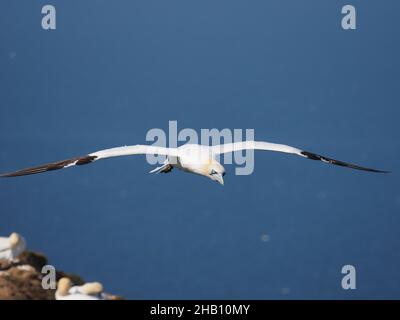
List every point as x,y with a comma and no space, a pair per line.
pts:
191,158
11,247
88,291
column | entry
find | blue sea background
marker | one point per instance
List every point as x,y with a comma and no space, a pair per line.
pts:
112,70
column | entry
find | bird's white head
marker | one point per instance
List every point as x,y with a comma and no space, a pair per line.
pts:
215,171
15,240
64,284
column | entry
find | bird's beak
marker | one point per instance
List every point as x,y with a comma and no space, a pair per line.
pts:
218,177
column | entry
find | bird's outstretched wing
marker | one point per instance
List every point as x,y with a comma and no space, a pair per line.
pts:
103,154
267,146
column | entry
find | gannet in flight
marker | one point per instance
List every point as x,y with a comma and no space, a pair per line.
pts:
88,291
193,158
11,247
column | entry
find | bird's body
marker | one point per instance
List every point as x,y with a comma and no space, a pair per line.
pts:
77,296
11,247
192,158
88,291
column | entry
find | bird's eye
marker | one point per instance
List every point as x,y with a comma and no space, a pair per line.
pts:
213,172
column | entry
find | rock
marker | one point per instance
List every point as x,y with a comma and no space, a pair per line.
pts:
22,279
22,283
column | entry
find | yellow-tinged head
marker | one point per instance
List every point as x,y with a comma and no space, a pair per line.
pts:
64,284
215,171
15,240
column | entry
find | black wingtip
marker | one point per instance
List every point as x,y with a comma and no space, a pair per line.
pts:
314,156
50,166
383,171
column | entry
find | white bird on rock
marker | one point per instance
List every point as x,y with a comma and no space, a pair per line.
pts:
11,247
89,291
193,158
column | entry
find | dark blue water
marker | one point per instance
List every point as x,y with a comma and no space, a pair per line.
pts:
115,69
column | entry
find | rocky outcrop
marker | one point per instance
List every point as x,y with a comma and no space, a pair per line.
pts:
22,280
